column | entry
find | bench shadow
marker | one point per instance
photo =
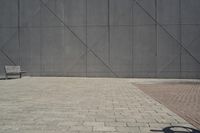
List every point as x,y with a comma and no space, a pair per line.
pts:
4,78
177,129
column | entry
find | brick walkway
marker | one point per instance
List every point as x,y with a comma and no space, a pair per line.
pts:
182,98
80,105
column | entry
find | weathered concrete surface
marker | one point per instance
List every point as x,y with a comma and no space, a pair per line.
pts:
109,38
80,105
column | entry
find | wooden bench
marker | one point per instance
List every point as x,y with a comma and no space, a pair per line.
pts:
13,72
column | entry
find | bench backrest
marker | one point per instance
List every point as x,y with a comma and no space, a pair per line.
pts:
12,69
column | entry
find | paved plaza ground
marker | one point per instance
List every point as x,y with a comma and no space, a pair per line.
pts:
182,98
81,105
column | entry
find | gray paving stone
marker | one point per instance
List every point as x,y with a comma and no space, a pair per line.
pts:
80,105
134,124
116,124
94,124
104,129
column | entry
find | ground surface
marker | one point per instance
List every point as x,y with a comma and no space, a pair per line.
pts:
80,105
182,98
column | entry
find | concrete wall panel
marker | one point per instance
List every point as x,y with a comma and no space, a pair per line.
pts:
168,58
168,11
31,47
11,49
96,67
120,12
97,12
190,55
9,13
52,51
75,52
149,6
97,38
190,11
30,13
9,44
75,12
6,35
127,38
140,17
189,67
121,51
49,19
191,39
3,61
144,51
190,33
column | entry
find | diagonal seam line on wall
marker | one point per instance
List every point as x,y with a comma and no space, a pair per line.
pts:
6,55
1,48
171,61
195,38
179,43
36,12
82,55
83,43
3,45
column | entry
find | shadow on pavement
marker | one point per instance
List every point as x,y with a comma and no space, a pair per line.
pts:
177,129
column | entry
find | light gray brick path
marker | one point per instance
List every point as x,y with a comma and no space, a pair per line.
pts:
80,105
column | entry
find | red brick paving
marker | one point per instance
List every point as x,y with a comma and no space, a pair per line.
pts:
181,98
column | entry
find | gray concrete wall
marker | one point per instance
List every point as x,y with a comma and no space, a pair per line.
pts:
110,38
